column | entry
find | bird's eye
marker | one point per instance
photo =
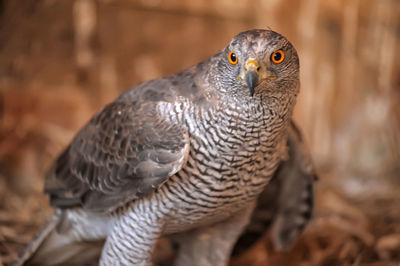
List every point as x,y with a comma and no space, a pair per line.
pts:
278,56
232,58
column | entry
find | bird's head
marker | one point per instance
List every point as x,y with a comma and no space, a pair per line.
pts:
259,62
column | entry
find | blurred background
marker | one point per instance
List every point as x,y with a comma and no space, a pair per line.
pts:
61,61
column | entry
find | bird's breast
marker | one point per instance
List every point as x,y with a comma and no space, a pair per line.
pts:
230,139
234,151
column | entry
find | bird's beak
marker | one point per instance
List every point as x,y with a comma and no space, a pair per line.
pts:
251,74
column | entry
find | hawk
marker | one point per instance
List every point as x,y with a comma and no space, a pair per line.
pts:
186,155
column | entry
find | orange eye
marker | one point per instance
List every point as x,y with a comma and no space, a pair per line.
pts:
232,58
278,56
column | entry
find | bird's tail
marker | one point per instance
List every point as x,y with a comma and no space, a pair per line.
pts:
58,243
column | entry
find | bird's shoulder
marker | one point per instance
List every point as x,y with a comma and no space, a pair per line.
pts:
191,84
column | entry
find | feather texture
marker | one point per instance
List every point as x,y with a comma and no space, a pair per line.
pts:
125,152
181,154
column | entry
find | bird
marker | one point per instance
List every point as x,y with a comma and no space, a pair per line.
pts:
184,155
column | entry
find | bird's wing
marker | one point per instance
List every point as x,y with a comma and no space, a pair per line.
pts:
295,202
125,152
286,204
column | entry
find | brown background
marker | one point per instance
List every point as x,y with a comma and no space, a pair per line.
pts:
60,61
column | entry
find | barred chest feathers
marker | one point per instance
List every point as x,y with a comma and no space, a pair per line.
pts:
234,150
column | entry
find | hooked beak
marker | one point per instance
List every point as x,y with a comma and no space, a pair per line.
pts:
251,80
251,74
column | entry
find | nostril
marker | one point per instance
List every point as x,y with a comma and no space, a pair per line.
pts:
258,69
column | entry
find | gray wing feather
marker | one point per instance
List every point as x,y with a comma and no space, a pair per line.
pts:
125,152
295,201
